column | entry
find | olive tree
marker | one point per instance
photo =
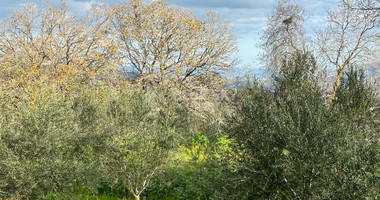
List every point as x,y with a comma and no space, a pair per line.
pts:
50,146
146,129
292,146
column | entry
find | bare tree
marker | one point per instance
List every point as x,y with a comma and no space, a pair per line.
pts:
170,45
172,48
48,45
284,35
348,38
372,7
368,5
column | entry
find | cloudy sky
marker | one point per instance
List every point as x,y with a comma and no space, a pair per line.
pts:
247,16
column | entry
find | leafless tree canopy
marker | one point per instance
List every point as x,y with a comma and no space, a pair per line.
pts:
283,36
169,45
349,38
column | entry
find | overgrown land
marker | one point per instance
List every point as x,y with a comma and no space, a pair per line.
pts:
131,102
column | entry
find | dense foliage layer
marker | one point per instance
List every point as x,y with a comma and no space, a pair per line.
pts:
75,126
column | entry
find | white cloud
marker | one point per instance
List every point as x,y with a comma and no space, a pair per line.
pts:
251,20
80,7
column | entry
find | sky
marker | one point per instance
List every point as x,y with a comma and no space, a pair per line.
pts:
248,18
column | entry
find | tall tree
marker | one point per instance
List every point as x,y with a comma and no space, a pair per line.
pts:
48,45
169,45
348,38
368,5
283,36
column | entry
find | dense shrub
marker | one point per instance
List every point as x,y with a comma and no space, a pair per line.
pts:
45,142
93,139
295,147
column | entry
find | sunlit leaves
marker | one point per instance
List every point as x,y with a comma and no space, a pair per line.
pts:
50,46
169,44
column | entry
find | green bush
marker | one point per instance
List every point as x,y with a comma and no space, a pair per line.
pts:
295,147
51,144
147,127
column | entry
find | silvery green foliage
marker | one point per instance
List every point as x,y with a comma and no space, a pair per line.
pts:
47,145
146,129
296,147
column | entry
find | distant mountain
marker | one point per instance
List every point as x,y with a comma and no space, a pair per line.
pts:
371,73
128,75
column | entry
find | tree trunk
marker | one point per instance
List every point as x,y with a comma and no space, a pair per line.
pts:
137,197
336,85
